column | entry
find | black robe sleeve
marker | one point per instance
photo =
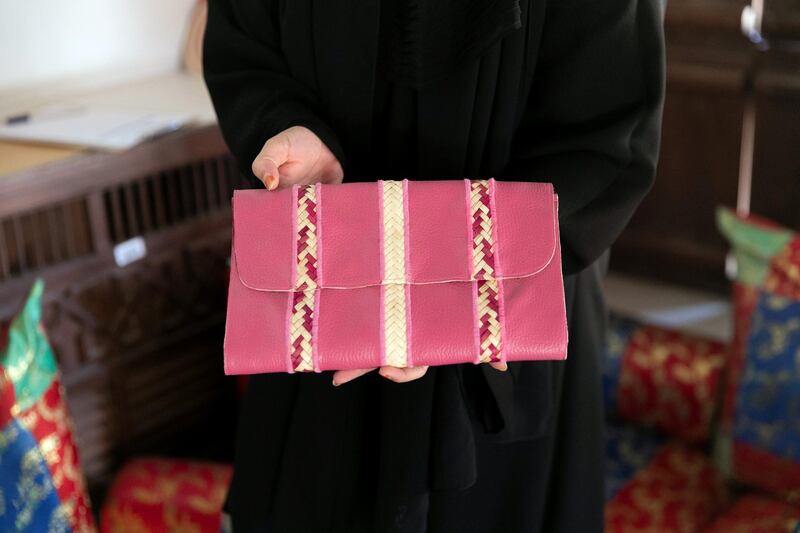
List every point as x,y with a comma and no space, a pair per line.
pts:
254,94
591,126
592,123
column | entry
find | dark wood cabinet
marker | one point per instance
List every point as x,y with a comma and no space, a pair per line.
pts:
139,347
711,67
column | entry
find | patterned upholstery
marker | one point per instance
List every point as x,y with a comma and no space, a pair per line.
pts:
762,418
661,386
661,378
754,241
753,513
165,495
658,385
41,483
628,450
678,490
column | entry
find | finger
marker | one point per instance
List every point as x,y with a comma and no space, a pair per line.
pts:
268,172
403,375
266,165
340,377
502,367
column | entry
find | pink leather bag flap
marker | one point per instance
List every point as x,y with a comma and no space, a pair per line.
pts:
321,271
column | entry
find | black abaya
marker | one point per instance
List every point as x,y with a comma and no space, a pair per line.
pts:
572,96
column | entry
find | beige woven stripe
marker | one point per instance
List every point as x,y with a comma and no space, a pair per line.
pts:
480,268
307,197
301,332
394,324
488,290
394,275
394,246
303,309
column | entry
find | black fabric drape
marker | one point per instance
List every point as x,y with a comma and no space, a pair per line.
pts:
427,39
572,96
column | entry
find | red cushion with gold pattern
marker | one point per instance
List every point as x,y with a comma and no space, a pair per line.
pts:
754,513
156,494
679,490
668,380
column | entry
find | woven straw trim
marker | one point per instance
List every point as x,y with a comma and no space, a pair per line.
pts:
488,321
301,334
483,252
394,272
306,238
302,319
394,244
394,325
483,242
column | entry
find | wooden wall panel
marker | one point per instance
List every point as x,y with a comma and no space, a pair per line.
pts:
673,236
776,179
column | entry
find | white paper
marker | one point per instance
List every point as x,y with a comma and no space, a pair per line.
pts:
94,128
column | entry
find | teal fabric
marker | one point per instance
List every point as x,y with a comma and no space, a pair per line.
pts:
28,359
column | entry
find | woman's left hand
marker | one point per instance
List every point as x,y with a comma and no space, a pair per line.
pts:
393,373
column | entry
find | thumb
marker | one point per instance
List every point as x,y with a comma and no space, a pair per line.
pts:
267,163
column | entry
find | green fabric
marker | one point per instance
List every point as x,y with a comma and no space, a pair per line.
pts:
753,245
28,359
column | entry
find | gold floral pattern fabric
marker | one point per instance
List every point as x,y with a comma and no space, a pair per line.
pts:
678,491
41,483
661,378
157,494
760,437
754,513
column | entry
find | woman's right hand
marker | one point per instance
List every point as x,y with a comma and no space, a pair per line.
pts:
296,156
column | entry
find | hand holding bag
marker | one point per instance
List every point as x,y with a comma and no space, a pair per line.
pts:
401,273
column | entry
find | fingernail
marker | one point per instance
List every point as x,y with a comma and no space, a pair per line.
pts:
335,384
271,182
504,367
387,376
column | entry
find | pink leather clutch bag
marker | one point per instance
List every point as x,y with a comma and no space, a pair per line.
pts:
401,273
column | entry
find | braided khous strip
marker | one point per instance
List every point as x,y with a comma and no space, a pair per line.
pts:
483,253
303,298
394,275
